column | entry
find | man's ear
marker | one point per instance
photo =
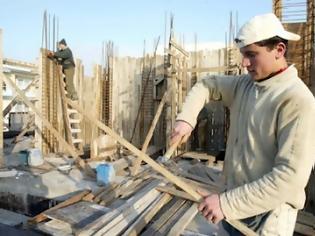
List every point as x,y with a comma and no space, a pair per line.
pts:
280,50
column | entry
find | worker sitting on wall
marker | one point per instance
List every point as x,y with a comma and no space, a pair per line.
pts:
65,58
271,144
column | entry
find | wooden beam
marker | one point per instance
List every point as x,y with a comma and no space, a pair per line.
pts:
147,216
157,167
185,219
193,211
105,221
145,145
121,221
175,192
179,48
277,8
206,69
29,127
13,62
165,218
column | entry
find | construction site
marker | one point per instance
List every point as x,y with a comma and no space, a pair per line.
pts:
102,164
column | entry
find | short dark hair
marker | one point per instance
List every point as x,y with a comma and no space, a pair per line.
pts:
272,42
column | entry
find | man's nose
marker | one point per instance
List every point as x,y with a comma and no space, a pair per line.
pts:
245,62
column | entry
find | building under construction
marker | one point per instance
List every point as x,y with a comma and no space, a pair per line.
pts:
52,146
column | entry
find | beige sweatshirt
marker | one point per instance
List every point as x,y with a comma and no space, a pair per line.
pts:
271,143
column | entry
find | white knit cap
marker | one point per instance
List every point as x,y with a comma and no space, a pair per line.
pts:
262,27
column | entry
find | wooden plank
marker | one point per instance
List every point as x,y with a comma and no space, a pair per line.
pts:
182,223
79,214
205,69
198,156
55,227
99,196
135,186
174,192
13,62
132,203
179,48
89,197
235,223
42,216
46,123
126,217
171,177
118,192
162,220
177,215
147,216
29,127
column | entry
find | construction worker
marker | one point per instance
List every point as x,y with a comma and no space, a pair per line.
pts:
65,58
271,144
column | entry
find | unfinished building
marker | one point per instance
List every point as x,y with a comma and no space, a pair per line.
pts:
124,116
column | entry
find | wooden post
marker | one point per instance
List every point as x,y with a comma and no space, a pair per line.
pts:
1,99
137,162
97,109
277,8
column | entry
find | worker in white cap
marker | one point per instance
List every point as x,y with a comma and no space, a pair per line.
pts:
271,144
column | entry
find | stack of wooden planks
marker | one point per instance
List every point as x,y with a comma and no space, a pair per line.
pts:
144,204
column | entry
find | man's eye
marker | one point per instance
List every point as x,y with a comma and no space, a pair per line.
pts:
251,55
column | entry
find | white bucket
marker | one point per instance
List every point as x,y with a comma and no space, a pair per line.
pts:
35,157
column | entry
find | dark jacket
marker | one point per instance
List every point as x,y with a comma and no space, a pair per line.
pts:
65,58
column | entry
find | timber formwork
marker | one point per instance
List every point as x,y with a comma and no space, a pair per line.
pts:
55,110
49,95
298,16
147,105
176,77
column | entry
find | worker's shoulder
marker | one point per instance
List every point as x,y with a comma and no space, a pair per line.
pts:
297,92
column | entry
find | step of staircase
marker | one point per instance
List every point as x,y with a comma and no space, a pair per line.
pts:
77,140
75,131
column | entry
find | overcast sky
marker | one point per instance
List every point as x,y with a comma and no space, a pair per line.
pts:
86,24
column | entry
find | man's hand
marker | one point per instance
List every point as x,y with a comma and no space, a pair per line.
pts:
182,130
210,207
50,54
